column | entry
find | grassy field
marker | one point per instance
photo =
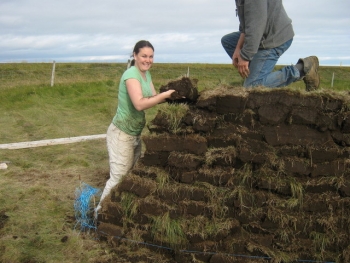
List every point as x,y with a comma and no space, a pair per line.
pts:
37,191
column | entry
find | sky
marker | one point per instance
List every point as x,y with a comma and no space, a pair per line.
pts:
181,31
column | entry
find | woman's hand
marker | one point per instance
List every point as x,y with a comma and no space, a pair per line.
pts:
168,93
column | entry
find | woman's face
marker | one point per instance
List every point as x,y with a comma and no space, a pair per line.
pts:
144,59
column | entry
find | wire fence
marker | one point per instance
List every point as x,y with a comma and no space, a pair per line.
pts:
35,74
13,75
25,74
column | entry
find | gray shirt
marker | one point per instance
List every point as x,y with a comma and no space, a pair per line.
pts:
265,24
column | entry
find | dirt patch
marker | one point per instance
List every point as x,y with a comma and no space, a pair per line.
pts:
3,219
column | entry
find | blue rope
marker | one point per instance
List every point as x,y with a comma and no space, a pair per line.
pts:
206,253
84,210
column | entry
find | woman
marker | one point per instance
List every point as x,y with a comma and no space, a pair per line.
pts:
136,94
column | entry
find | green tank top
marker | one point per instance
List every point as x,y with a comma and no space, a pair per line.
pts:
127,118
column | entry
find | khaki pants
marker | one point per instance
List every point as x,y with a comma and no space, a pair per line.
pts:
124,150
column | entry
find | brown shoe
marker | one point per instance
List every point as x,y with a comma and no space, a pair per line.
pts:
311,78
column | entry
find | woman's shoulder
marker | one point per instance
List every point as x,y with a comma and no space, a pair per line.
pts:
131,69
131,72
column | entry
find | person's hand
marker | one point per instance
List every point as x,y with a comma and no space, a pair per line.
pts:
241,64
243,67
169,92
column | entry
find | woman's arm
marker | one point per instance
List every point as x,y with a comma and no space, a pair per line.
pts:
154,92
142,103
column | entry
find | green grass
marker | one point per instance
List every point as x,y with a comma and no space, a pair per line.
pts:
37,190
35,113
37,195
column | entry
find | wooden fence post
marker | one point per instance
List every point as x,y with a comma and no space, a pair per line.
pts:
53,74
332,80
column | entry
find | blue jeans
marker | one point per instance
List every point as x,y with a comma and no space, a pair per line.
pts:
262,65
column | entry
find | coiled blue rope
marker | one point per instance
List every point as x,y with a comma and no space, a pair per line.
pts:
85,195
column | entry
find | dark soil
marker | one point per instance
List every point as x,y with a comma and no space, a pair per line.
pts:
3,219
185,90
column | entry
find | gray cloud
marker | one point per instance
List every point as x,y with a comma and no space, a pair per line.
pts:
181,31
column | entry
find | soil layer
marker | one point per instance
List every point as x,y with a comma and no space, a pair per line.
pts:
258,175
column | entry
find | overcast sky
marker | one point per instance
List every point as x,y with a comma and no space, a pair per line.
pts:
181,31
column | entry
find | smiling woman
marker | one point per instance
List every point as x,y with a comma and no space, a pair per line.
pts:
136,94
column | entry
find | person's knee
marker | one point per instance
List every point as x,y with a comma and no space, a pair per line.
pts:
224,40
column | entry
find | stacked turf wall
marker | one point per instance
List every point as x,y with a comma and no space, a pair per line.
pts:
246,176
